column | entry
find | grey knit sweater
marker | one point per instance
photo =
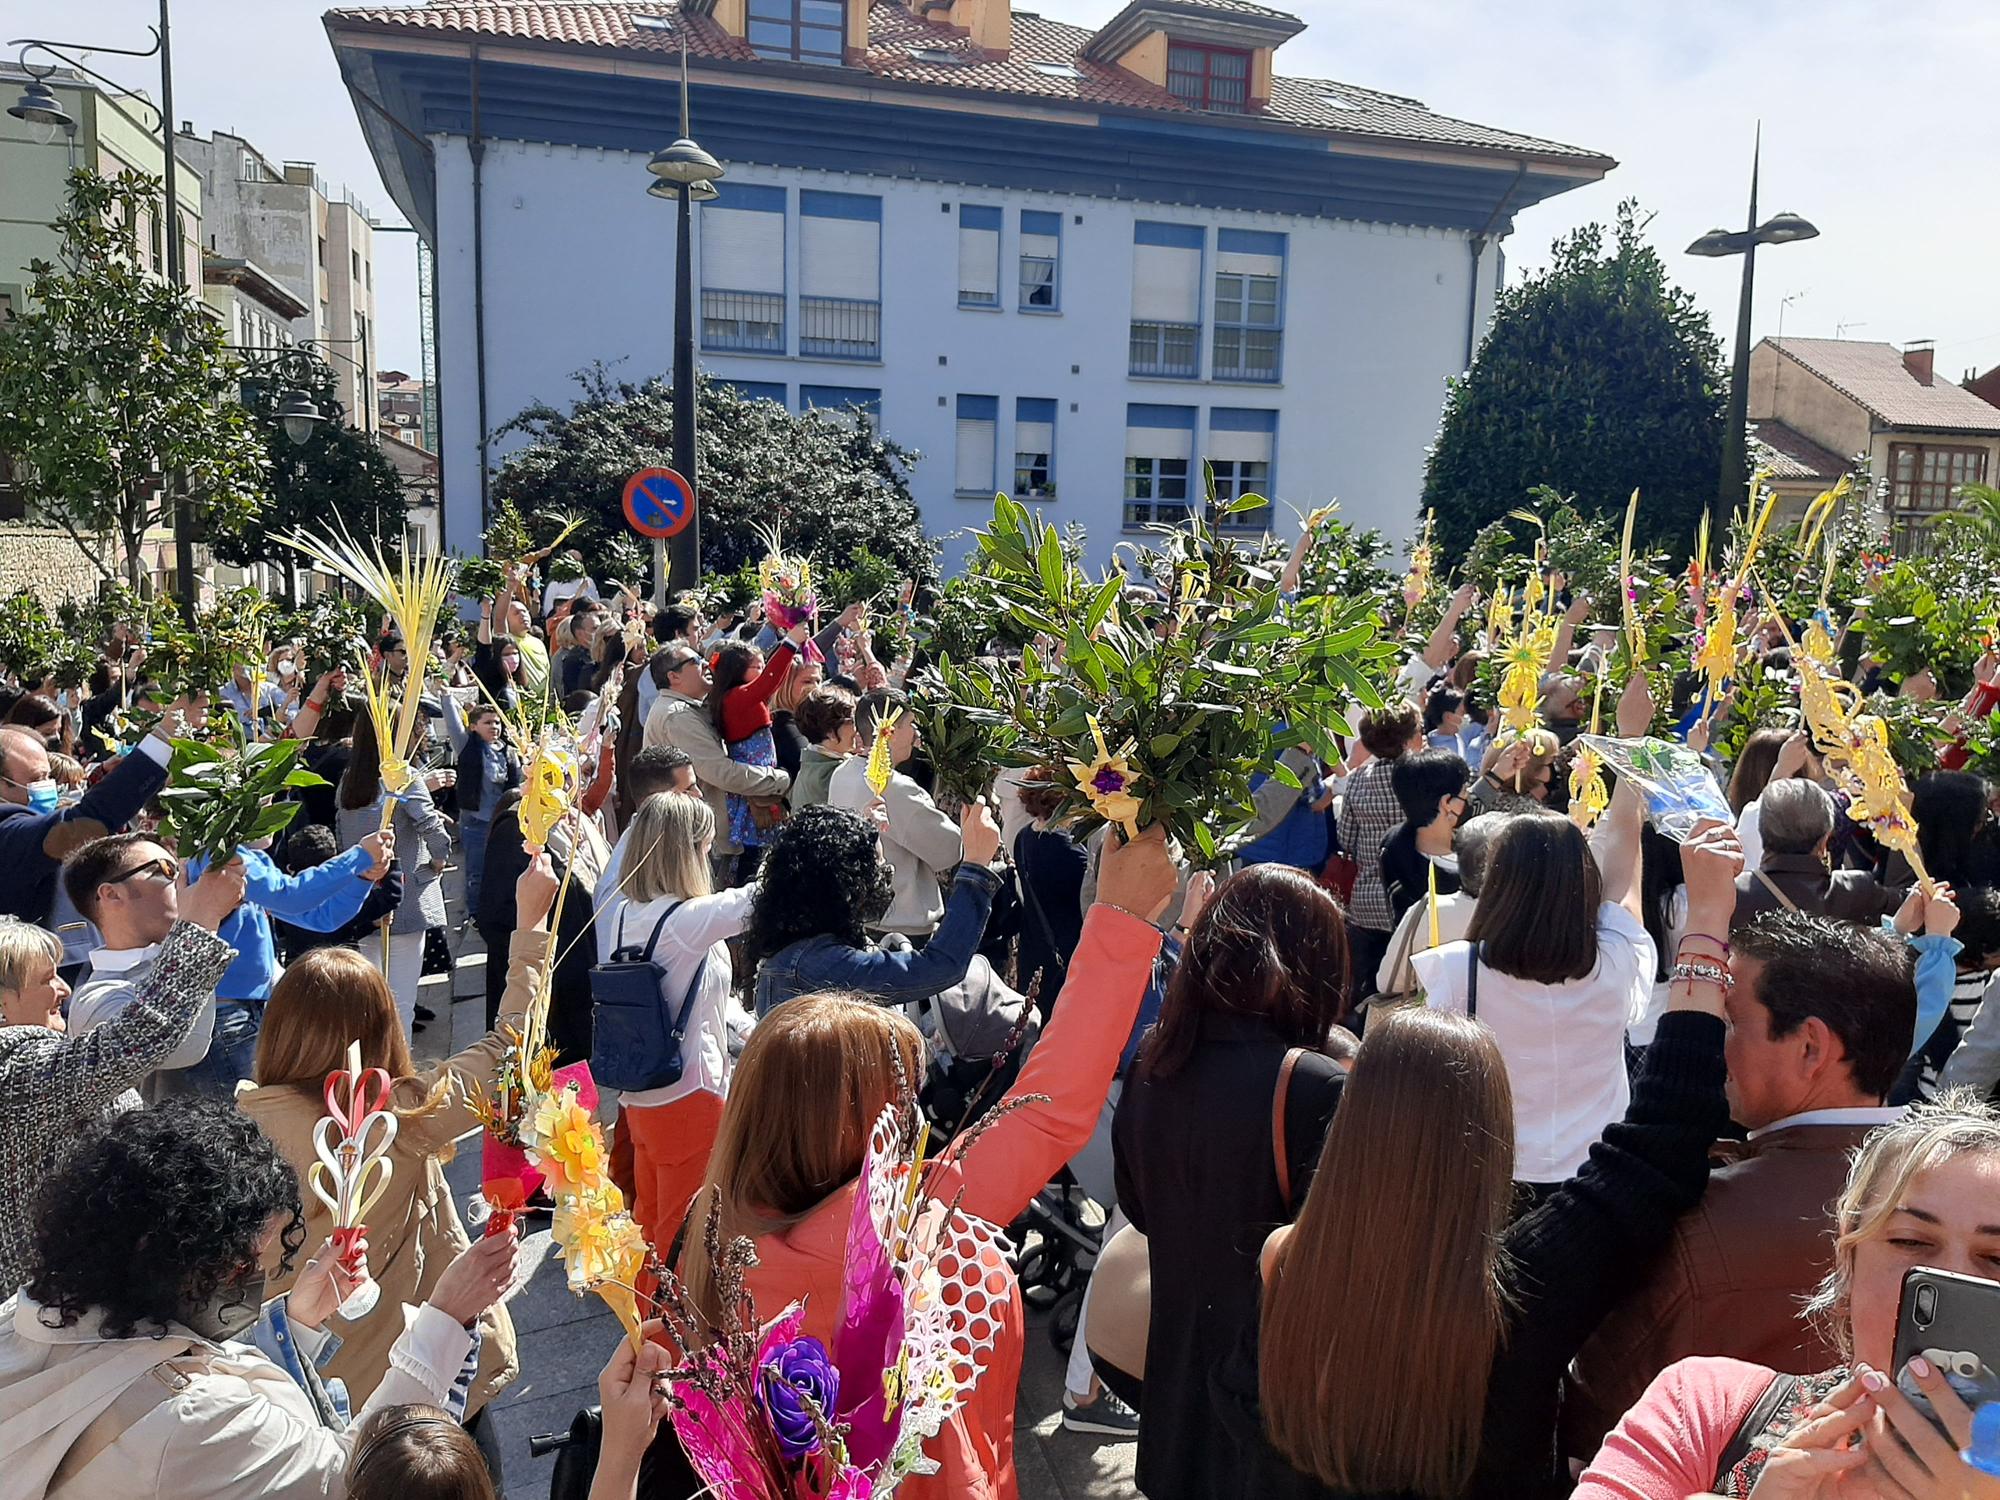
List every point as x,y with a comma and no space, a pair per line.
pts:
53,1084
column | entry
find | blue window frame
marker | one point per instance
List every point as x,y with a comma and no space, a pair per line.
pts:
1159,455
978,421
1041,261
978,255
840,275
1249,306
1034,448
1166,300
743,271
1243,453
841,400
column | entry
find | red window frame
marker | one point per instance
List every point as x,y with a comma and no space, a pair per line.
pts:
1918,494
1204,96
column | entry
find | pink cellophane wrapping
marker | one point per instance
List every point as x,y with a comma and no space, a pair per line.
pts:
712,1437
869,1341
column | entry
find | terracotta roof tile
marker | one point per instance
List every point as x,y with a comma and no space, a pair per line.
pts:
1790,454
1873,375
952,61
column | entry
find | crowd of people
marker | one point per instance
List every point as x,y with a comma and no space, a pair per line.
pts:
1438,1144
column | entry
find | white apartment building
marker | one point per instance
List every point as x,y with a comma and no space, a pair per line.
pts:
1066,263
285,221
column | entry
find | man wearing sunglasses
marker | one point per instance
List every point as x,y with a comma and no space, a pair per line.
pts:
124,883
36,836
129,886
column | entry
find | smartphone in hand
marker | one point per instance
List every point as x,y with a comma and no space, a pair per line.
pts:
1954,1322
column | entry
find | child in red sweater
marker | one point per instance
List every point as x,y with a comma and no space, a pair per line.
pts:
739,704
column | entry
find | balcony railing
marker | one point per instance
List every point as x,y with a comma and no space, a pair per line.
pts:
840,328
1172,349
749,322
1247,353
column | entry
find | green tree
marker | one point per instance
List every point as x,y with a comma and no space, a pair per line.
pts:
112,377
837,487
1596,378
340,471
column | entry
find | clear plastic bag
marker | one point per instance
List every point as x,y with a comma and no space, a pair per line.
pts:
1679,789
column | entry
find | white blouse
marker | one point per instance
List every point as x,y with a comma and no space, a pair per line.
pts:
1564,1044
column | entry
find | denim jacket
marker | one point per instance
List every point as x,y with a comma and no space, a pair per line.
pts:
895,976
300,1352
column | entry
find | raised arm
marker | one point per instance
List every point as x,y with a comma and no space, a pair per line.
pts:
81,1074
1073,1064
1443,644
1617,845
474,1069
1566,633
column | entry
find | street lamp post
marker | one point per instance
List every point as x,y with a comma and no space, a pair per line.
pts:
38,105
685,172
1781,230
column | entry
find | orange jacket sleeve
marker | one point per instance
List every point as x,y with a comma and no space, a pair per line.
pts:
1073,1064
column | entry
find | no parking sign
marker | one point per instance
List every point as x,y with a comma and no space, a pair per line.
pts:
658,502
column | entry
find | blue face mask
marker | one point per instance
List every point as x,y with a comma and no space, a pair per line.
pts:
43,796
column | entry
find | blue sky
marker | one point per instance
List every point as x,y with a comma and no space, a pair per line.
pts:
1876,127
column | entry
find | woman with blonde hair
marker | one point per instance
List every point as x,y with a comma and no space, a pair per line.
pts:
800,679
334,996
816,1075
1920,1192
664,910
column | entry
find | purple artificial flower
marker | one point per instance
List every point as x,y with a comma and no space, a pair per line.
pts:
1109,782
792,1376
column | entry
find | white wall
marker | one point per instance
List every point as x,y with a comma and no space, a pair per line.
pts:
579,266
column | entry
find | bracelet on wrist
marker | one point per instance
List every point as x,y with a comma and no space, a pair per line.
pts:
1703,937
1702,973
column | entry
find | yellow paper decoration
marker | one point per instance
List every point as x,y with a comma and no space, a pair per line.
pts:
548,790
881,756
1107,782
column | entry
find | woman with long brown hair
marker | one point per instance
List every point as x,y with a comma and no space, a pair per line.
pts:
326,1000
815,1076
1411,1341
1217,1131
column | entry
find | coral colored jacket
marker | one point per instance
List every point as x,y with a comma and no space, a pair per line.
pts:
1072,1064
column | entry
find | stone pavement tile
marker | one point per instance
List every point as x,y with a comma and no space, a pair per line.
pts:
1077,1465
514,1422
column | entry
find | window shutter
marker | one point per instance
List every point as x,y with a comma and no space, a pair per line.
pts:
742,251
975,453
840,258
979,263
1166,284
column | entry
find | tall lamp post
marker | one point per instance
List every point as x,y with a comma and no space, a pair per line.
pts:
685,172
1781,230
38,105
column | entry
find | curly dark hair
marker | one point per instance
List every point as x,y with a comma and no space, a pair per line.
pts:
155,1211
823,874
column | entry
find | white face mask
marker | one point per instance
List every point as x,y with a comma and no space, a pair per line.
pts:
1445,862
287,669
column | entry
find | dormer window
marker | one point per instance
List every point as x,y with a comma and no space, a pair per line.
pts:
807,31
1210,78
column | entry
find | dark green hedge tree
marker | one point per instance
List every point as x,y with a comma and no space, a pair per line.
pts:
1597,377
837,487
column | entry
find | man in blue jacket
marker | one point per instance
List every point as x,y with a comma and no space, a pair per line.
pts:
322,899
36,835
